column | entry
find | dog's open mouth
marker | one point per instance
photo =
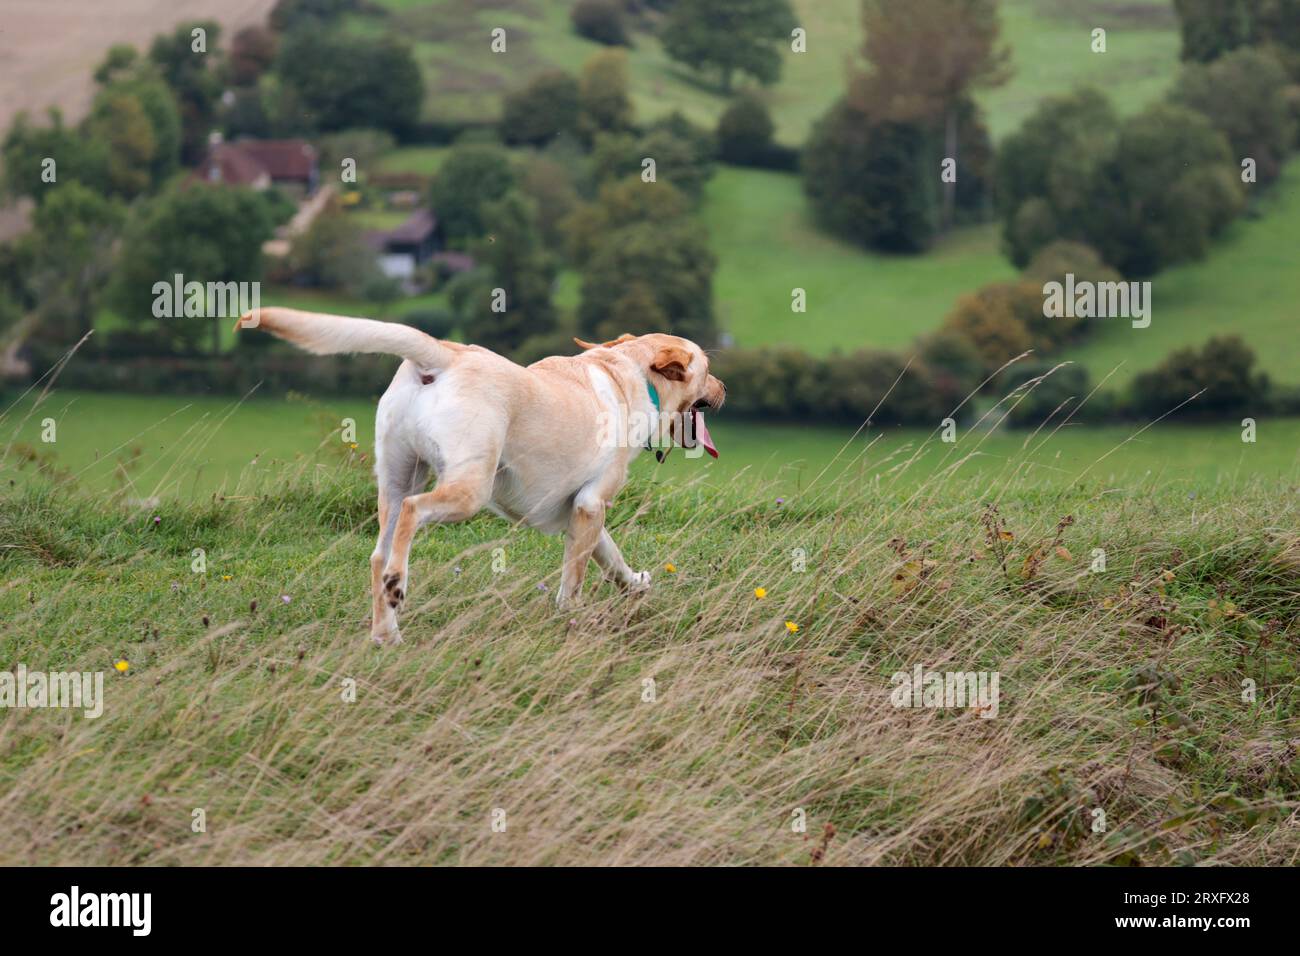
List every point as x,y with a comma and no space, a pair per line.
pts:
698,432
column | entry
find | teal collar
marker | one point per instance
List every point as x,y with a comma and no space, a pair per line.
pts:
654,400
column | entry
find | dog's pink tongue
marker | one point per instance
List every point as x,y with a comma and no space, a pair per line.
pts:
702,436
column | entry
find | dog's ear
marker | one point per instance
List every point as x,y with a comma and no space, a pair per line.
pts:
594,345
671,362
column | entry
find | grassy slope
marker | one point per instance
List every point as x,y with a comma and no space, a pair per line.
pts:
760,231
1249,285
1050,54
233,698
159,445
766,245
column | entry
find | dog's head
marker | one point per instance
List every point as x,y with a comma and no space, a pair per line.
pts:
679,371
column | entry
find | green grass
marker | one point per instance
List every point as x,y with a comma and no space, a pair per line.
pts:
424,160
766,244
1050,43
188,447
684,726
378,218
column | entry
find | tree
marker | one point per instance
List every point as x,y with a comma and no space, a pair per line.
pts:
600,20
252,51
1276,28
120,121
992,320
146,86
1169,187
672,259
188,68
542,110
604,103
73,234
78,157
1045,168
1210,28
121,58
1244,94
621,203
341,81
1145,193
516,263
205,233
682,153
729,37
331,254
868,180
471,176
1224,367
548,184
744,133
927,59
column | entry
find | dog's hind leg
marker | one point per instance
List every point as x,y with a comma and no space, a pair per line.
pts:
610,560
458,496
393,490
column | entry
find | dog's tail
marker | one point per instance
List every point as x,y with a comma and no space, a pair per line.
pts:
331,334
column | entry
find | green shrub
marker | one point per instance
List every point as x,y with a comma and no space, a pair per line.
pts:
601,21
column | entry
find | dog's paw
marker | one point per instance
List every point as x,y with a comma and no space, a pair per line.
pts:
639,582
388,638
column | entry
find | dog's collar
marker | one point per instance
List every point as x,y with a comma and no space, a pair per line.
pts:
654,400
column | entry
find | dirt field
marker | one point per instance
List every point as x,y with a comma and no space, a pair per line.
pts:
48,48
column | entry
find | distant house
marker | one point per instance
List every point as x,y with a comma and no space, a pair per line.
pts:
402,250
289,164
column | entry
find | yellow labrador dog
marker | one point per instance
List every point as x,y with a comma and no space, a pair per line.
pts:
547,445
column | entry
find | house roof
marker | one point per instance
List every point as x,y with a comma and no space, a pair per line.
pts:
233,167
292,159
418,227
246,162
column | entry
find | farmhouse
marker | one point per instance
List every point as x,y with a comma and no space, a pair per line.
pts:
288,164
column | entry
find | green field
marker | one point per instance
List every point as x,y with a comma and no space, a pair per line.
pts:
170,446
687,725
1049,39
766,245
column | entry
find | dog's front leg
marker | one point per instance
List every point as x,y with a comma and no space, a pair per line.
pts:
586,523
610,559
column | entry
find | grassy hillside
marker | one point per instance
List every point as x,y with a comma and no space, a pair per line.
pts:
1249,285
766,245
761,231
1049,40
145,446
691,725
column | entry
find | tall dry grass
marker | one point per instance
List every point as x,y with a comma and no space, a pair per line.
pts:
689,726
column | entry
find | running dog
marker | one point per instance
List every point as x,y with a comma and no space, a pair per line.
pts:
547,445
